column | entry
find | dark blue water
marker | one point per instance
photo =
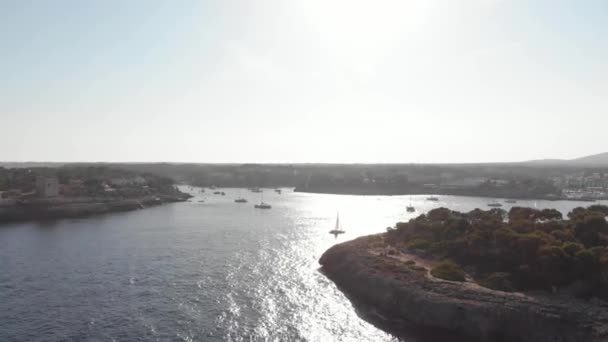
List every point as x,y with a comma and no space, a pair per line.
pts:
213,271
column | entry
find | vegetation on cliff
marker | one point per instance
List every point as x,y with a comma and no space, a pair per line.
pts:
449,271
523,249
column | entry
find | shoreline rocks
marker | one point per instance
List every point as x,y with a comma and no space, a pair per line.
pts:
401,293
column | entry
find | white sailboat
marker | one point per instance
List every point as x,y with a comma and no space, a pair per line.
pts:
240,199
262,205
337,230
410,208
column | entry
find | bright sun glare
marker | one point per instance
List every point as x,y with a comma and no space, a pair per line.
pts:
364,30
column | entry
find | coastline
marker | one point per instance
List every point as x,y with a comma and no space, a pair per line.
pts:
50,209
363,191
413,297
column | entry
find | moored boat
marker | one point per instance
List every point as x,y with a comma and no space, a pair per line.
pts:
240,199
262,205
410,208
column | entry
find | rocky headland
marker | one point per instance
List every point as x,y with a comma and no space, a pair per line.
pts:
398,285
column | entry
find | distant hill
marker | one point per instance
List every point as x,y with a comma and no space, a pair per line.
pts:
596,159
23,165
542,162
600,159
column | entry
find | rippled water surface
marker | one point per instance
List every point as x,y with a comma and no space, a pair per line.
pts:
212,271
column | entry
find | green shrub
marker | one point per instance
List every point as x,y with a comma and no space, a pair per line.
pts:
586,260
498,281
418,244
450,248
375,242
401,225
551,214
572,248
598,208
448,270
563,235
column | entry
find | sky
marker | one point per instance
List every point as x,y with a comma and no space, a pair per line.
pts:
286,81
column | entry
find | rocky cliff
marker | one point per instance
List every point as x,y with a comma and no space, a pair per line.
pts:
398,291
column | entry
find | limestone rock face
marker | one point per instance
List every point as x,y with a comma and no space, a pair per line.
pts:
400,293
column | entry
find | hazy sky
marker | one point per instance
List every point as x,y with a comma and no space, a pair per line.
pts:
303,80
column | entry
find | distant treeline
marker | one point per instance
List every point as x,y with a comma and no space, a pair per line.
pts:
491,180
90,180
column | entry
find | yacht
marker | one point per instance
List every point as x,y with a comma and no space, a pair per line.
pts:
410,208
494,204
240,199
337,230
262,205
432,198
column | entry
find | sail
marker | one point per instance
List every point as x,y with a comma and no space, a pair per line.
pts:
337,222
